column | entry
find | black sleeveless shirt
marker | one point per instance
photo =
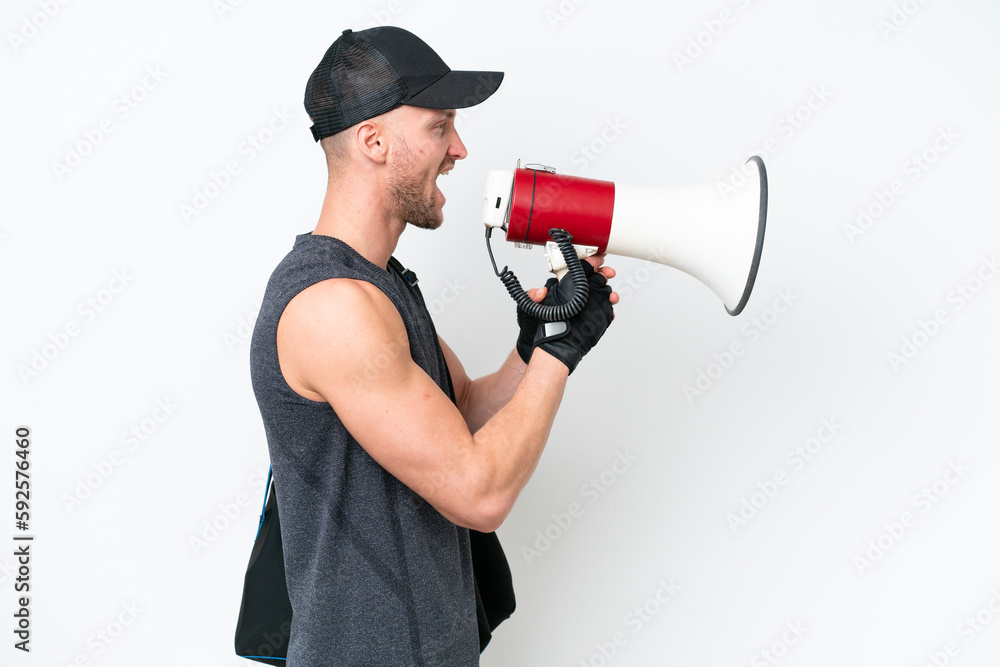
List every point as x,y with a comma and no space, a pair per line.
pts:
376,575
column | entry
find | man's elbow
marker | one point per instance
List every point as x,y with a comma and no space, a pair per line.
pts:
480,497
485,514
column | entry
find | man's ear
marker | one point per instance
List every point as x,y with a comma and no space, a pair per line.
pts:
371,139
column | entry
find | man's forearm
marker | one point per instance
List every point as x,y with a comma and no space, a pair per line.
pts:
509,445
487,395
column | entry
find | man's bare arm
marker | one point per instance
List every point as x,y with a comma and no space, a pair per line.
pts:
362,367
478,400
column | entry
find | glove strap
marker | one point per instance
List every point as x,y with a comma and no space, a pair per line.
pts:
550,331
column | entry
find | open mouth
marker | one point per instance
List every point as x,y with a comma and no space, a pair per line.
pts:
437,188
443,172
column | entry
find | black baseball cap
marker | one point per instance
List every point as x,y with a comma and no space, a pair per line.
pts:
369,72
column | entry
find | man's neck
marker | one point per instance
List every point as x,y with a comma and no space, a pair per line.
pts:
356,215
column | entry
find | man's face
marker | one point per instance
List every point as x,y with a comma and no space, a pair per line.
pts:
426,146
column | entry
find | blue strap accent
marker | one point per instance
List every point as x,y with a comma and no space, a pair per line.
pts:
267,489
267,657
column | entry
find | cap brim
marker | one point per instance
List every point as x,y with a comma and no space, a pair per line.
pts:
457,90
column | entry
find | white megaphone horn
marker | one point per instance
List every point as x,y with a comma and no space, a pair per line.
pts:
712,233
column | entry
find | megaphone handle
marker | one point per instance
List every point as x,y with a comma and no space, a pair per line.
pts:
557,262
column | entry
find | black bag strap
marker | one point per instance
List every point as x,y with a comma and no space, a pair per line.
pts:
263,506
408,275
411,279
492,580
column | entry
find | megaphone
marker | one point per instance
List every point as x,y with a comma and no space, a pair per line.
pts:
713,233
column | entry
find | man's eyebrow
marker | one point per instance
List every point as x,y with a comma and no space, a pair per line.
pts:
444,114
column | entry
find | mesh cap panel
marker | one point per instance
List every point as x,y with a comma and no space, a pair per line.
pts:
353,82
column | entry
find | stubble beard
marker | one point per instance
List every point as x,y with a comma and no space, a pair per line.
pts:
408,197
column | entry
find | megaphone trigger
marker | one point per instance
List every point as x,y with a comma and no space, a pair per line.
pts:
557,262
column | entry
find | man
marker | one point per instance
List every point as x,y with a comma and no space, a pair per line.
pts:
379,475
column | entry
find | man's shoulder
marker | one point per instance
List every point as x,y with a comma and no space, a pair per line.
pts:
342,308
329,334
343,295
317,263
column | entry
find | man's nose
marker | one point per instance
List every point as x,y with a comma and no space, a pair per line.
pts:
457,149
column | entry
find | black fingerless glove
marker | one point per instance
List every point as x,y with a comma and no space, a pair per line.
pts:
569,341
529,326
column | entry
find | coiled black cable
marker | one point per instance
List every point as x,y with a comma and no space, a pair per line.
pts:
576,276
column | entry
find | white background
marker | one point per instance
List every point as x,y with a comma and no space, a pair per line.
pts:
146,540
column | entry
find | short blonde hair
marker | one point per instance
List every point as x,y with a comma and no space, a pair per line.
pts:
336,147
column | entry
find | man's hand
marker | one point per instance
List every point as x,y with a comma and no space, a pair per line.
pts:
528,324
587,331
